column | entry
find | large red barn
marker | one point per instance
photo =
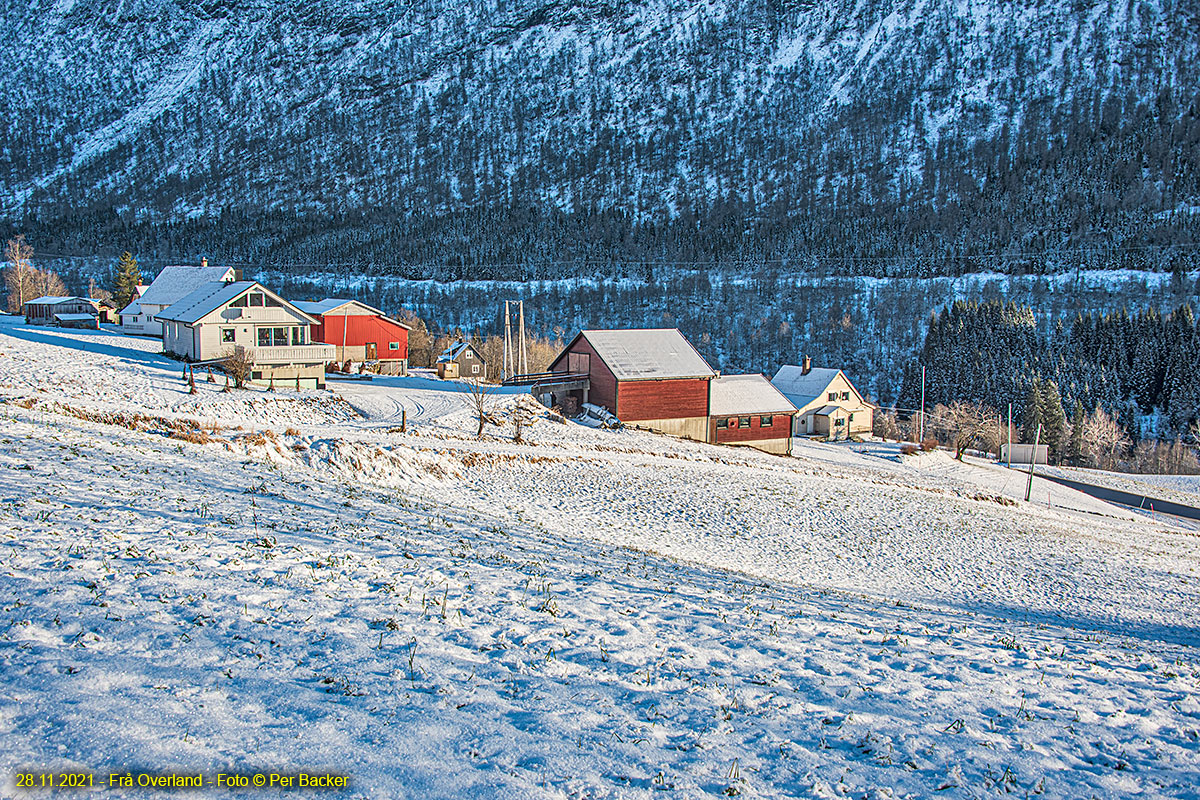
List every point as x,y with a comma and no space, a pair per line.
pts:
360,333
650,378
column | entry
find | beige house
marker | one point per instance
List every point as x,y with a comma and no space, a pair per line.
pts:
829,405
220,318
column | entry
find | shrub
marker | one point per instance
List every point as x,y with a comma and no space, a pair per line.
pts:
929,443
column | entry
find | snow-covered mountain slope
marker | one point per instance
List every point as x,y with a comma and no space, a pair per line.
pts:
588,614
567,124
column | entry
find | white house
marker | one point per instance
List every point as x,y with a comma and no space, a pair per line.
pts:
219,318
827,401
140,317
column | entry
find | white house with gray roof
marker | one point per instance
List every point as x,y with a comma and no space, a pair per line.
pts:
828,404
218,319
140,317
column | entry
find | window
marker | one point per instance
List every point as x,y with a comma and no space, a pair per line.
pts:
833,395
256,376
467,355
256,299
766,421
839,422
264,337
475,369
850,418
280,337
227,334
845,395
722,424
239,303
743,422
297,336
273,303
393,345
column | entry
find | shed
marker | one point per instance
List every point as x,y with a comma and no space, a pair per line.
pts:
650,378
45,310
747,410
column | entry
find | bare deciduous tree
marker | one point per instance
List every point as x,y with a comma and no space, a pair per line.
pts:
1104,441
20,275
967,424
479,399
237,365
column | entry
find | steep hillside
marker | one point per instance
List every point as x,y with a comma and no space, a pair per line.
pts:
504,137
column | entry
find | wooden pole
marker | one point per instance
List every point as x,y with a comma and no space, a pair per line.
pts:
1010,435
1037,438
921,436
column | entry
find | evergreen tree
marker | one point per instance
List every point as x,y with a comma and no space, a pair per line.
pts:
1031,415
1078,423
126,280
1054,419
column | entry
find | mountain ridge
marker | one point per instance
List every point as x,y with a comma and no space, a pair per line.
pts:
605,130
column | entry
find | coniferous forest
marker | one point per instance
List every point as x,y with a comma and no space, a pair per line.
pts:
1140,368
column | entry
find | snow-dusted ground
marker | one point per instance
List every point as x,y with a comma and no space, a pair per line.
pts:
589,614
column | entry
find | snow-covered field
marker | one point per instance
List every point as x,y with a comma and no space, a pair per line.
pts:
254,581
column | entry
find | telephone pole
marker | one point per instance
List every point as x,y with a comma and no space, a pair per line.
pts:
1037,438
921,436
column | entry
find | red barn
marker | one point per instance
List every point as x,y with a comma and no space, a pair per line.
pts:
747,410
650,379
360,333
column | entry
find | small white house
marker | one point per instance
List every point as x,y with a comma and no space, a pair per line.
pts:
827,402
140,317
219,319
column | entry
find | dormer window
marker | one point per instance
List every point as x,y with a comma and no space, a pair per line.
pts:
256,299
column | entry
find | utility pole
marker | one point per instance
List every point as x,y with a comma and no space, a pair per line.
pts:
1010,435
921,436
524,369
516,355
507,368
1037,438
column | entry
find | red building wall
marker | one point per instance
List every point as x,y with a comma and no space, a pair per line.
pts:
665,399
781,428
603,391
360,329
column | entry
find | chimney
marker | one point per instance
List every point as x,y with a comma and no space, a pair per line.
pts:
204,262
806,366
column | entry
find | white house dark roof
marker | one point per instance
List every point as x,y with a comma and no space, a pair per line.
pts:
323,307
648,354
204,300
454,351
175,283
746,394
803,388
